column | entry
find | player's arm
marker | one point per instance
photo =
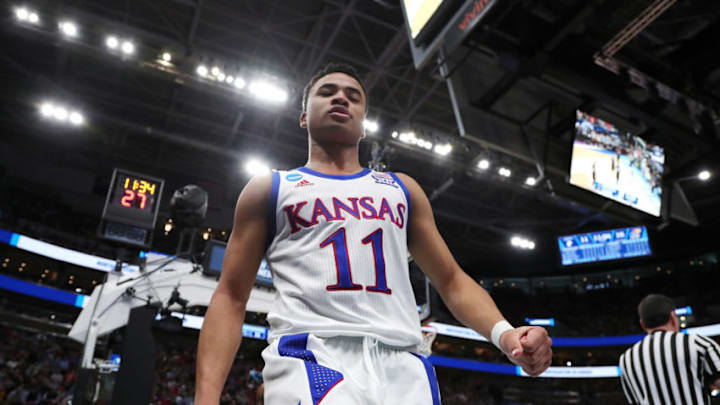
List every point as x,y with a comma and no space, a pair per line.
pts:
528,347
222,329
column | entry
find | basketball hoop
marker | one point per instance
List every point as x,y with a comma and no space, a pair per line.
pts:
428,337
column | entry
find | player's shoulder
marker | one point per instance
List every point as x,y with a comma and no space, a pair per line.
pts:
407,180
257,190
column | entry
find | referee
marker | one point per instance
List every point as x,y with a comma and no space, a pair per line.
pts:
668,367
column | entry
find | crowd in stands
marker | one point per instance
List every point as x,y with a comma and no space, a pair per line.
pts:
40,368
36,368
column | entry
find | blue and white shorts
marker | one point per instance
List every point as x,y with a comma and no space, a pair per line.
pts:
307,370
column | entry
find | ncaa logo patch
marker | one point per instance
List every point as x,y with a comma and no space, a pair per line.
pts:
293,177
384,178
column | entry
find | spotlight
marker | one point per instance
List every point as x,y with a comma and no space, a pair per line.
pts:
76,118
33,18
569,363
239,83
268,92
254,167
370,126
206,235
483,164
504,172
128,47
47,109
428,145
168,227
221,77
394,134
215,70
202,70
167,57
112,42
704,175
443,149
230,80
22,13
531,181
60,114
68,28
521,242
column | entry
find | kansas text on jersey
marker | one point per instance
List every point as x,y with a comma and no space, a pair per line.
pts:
338,256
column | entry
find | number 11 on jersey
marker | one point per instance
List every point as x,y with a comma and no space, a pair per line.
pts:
342,262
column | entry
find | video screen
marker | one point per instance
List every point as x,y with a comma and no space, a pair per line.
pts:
215,254
619,166
604,245
419,13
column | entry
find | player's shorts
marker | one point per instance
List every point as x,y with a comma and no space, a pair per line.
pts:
307,370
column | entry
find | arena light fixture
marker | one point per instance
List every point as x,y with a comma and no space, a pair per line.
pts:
394,134
47,109
505,172
167,57
76,118
370,126
215,71
443,149
112,42
68,29
255,166
267,91
704,175
128,48
531,181
230,79
239,83
61,113
523,243
483,164
23,14
202,70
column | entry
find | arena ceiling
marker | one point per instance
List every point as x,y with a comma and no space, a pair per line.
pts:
524,71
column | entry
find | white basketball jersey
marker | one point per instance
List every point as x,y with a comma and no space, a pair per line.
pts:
338,256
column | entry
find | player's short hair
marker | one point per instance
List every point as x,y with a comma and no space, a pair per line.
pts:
655,309
333,68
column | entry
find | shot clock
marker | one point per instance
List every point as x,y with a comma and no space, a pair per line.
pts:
131,208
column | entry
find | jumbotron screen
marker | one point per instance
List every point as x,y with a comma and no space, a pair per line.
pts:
619,166
612,244
419,13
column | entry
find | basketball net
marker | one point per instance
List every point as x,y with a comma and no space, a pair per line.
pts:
428,337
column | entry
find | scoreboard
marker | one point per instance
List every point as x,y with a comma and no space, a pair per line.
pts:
604,245
131,208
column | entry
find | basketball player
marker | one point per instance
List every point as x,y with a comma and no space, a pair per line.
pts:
336,237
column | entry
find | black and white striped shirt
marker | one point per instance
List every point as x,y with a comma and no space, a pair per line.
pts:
670,368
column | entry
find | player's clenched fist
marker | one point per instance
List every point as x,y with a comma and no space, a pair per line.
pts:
529,347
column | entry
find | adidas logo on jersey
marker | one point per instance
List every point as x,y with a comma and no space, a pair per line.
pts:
304,183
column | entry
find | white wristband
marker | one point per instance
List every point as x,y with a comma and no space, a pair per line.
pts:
497,331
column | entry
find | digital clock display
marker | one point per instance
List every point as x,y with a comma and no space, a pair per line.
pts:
133,199
135,192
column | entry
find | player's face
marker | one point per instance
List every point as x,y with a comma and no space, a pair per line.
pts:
335,110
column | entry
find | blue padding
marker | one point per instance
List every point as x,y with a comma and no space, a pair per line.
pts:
473,365
432,379
597,341
23,287
14,239
321,379
5,236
